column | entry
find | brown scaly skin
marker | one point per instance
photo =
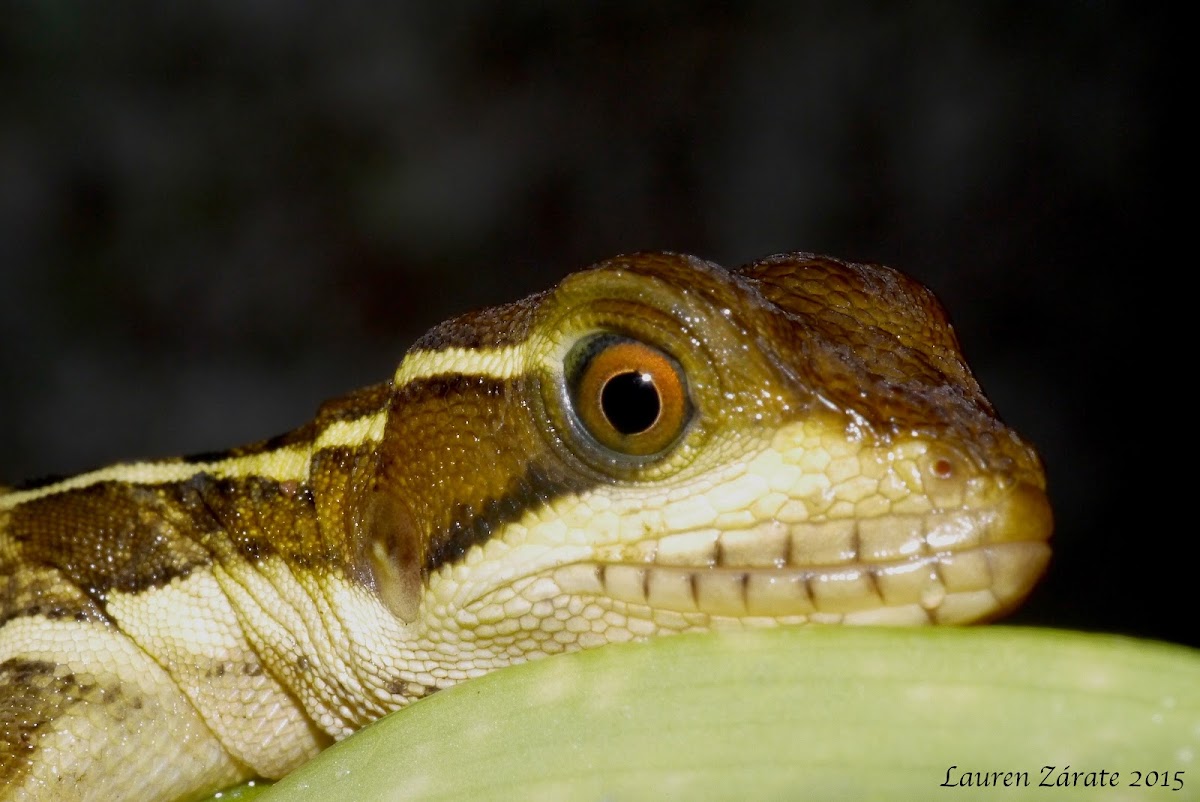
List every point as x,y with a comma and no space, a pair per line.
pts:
811,448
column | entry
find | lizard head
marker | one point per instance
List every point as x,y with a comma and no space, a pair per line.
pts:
658,444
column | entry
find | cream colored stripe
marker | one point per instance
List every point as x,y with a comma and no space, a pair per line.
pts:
285,464
291,464
288,464
352,433
504,362
136,473
282,465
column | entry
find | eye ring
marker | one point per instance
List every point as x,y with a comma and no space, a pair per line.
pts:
630,397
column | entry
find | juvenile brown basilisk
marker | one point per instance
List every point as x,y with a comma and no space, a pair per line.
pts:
653,446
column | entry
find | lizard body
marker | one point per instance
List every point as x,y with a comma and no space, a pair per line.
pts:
655,445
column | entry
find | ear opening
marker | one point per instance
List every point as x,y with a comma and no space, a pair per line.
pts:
391,555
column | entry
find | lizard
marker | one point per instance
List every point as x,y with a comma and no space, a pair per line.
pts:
654,445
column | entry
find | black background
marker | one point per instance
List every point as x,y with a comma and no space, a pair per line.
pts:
213,218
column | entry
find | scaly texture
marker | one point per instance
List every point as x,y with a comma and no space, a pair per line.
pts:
653,446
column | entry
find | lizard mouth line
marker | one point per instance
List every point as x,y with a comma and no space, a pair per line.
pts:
942,567
947,587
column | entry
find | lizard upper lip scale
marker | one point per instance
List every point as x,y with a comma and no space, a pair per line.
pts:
654,445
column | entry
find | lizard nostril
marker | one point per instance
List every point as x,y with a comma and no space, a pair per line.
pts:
944,463
942,468
947,473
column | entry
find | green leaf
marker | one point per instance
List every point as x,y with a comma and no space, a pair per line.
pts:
811,713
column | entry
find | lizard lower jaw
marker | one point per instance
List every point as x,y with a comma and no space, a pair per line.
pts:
944,567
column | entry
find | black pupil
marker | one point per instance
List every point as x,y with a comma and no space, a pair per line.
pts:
630,402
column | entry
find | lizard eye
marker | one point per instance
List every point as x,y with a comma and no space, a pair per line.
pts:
632,398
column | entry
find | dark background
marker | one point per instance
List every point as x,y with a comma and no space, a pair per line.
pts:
213,218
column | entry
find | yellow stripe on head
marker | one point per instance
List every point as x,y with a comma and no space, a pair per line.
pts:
500,363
